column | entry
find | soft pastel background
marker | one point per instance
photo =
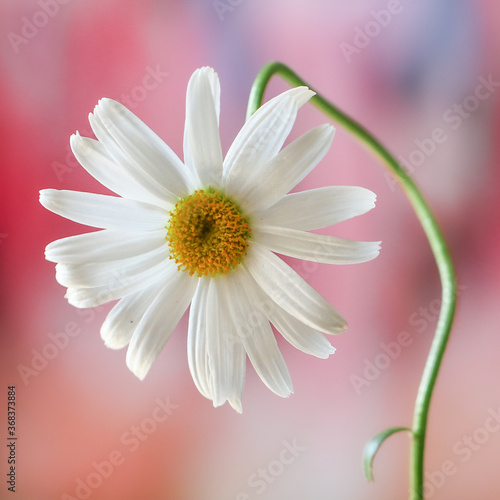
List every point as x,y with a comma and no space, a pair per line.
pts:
78,407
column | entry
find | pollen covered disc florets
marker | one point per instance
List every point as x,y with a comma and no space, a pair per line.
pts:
207,233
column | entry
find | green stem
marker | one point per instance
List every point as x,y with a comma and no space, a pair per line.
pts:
436,241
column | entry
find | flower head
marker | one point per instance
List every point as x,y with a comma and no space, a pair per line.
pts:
202,233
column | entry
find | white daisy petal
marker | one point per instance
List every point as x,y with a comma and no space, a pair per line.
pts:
318,208
285,170
234,401
103,246
122,320
94,157
216,357
197,340
202,147
120,286
144,147
256,335
159,321
91,275
260,139
102,211
301,336
226,356
147,188
315,247
283,285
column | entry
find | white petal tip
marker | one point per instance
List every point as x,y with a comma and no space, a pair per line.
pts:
236,405
327,131
303,94
330,351
337,328
78,303
325,352
284,389
103,103
138,368
366,251
139,363
365,199
376,246
342,328
111,341
299,94
74,136
114,346
48,255
208,70
105,100
76,141
45,197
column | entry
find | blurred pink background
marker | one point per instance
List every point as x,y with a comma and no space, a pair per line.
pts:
423,77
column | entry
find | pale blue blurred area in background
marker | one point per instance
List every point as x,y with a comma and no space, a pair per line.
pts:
436,52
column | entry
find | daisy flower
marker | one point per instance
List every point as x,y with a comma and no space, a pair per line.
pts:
202,234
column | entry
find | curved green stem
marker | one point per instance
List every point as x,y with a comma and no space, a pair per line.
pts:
436,241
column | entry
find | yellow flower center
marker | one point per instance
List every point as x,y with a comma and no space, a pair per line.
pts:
207,233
